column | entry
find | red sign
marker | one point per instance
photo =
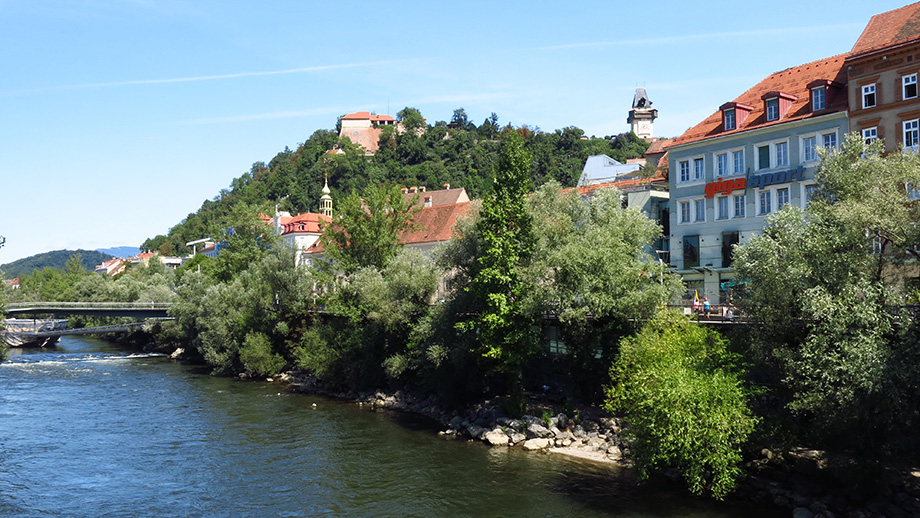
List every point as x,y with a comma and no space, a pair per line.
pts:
724,186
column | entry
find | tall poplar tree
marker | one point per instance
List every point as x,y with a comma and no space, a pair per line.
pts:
497,287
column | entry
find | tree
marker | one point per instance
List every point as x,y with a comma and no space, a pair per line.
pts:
461,120
681,394
366,229
825,283
591,267
496,284
244,238
411,119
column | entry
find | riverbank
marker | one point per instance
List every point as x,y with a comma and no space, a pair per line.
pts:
806,483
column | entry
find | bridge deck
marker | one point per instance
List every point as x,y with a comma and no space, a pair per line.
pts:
102,309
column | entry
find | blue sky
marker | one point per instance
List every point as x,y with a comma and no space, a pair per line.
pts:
120,117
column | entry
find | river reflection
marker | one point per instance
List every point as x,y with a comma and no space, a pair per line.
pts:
88,429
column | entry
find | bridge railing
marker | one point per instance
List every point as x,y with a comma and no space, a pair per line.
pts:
89,305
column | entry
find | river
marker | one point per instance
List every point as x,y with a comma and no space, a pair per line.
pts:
90,429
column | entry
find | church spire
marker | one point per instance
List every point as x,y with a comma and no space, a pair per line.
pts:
325,201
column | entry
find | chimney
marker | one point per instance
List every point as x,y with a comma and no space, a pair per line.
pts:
421,189
413,189
447,186
405,190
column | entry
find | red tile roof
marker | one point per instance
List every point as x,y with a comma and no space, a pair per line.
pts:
435,224
629,184
309,222
368,116
888,29
439,196
793,81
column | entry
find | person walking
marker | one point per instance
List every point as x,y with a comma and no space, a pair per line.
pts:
706,307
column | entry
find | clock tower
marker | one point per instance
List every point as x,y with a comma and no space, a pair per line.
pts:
642,115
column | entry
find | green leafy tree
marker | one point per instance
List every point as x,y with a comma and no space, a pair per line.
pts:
366,229
685,405
591,267
244,238
411,119
496,284
825,285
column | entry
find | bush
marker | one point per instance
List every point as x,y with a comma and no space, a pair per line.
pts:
684,403
257,356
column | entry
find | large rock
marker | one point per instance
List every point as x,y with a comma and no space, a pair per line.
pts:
475,431
516,437
496,437
536,430
536,444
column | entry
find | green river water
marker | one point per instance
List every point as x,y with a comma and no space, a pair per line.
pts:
89,429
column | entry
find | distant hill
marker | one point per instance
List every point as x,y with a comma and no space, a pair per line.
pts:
120,251
55,259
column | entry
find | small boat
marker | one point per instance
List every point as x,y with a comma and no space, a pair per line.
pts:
31,332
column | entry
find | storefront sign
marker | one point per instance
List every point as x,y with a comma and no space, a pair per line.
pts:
724,186
767,179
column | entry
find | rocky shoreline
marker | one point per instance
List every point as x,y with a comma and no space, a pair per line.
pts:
797,481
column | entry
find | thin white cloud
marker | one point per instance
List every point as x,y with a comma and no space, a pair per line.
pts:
683,38
290,114
193,79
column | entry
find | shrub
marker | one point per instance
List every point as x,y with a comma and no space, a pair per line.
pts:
684,403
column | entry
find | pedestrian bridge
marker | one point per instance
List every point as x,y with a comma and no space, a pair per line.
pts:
95,309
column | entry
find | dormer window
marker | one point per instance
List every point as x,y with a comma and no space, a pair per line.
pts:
818,99
734,114
728,119
776,104
772,109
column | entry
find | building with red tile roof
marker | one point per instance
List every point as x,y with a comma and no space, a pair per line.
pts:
364,129
755,154
882,73
445,196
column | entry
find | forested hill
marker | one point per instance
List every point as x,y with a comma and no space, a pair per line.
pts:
56,259
457,152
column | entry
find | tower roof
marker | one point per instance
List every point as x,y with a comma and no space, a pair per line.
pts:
641,100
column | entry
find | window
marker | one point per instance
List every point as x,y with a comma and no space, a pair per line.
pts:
782,197
765,199
810,149
685,212
909,84
738,162
782,154
684,168
830,140
818,99
870,134
722,164
723,207
763,157
700,210
810,191
691,251
729,239
772,109
912,193
698,169
739,205
911,134
868,96
728,117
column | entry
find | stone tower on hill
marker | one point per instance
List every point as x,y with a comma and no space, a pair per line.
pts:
642,116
